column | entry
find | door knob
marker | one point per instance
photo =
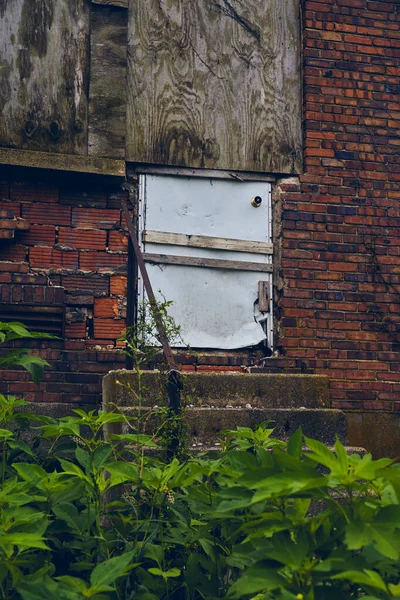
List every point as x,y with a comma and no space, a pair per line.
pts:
256,201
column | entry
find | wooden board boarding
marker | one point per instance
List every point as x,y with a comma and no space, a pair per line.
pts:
215,84
107,100
44,48
212,263
203,241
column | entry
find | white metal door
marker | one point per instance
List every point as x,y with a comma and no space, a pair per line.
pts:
207,246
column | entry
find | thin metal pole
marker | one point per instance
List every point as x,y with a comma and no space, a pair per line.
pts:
174,385
149,291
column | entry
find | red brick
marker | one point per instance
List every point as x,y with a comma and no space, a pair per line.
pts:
108,261
43,214
105,307
13,207
94,284
47,258
10,267
28,192
118,285
44,235
118,240
13,252
4,189
75,330
108,329
92,218
87,239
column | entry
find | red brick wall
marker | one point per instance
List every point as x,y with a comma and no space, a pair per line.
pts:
74,255
339,305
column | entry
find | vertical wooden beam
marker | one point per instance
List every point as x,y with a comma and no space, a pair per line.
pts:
107,101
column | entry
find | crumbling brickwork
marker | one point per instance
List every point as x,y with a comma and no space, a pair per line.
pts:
74,256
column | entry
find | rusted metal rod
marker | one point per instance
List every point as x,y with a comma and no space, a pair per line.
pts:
174,385
149,291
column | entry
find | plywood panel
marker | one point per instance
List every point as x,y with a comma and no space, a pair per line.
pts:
215,84
107,103
44,58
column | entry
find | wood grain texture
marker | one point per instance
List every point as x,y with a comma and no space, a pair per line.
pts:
263,296
211,263
107,101
44,57
204,241
121,3
215,84
63,162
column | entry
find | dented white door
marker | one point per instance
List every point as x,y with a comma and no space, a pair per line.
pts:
224,240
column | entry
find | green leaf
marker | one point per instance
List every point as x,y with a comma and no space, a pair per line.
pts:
19,445
382,532
287,551
73,582
34,365
174,572
100,455
285,484
46,590
72,469
320,453
121,472
66,511
342,456
29,472
367,578
294,443
83,458
256,579
108,571
5,434
134,438
23,540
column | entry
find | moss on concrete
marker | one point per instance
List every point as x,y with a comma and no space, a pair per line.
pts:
220,389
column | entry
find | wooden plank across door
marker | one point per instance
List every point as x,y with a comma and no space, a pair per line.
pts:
215,84
204,241
212,263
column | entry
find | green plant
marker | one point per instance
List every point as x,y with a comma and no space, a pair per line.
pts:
264,520
143,346
21,357
84,517
142,338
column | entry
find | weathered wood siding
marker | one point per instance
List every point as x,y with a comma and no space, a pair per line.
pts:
107,102
44,66
215,84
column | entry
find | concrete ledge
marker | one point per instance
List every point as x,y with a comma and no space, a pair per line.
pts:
205,425
120,388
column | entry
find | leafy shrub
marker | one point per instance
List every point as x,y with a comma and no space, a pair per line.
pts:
89,518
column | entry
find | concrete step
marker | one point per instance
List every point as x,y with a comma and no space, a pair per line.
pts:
260,390
205,426
215,402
